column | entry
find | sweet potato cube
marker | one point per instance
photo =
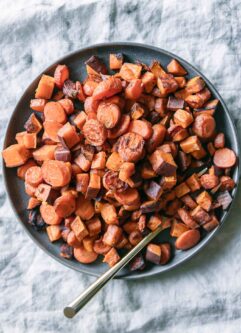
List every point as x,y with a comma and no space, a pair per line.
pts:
153,253
84,208
154,222
79,229
188,201
149,81
82,162
167,183
167,84
44,153
197,101
193,182
112,235
130,71
94,226
99,161
94,186
199,154
166,222
211,224
182,189
33,202
80,120
38,104
54,232
111,257
187,218
108,213
127,169
175,103
45,87
183,118
137,111
153,190
82,182
88,243
30,140
116,60
204,200
114,162
156,69
181,81
68,136
174,67
147,171
190,144
163,163
15,155
33,125
195,85
94,66
200,215
178,228
44,192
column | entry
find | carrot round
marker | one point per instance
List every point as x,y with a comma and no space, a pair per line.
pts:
55,112
129,197
108,114
107,88
65,205
21,171
49,215
142,128
83,256
34,176
91,105
120,128
94,132
30,189
56,173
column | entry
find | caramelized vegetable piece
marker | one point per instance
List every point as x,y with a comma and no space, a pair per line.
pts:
191,144
167,84
153,253
165,253
187,240
51,128
112,182
130,71
204,126
224,158
200,215
34,176
142,128
94,65
195,85
116,60
187,219
127,169
45,87
56,173
67,105
94,132
61,74
62,154
114,162
131,147
44,153
120,128
219,141
15,155
175,103
68,136
193,182
227,183
149,81
83,256
183,118
45,193
129,197
137,264
111,257
49,215
101,248
54,232
33,125
108,114
79,229
198,100
33,202
211,224
21,171
38,104
107,88
163,163
134,89
94,186
154,222
65,205
182,189
175,68
108,213
84,208
153,190
55,112
209,181
112,235
178,228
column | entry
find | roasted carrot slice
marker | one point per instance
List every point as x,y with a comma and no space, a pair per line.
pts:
84,208
91,105
56,173
134,89
108,114
55,112
49,215
107,88
141,127
21,171
83,256
65,205
34,176
67,105
15,155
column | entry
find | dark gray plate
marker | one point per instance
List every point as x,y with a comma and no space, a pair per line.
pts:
75,61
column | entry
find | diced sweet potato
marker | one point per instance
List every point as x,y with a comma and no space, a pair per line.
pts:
15,155
187,218
116,60
153,253
79,229
188,201
167,84
130,71
156,69
178,228
33,202
38,104
163,163
45,87
190,144
99,161
44,153
111,257
174,67
204,200
149,81
211,224
183,118
109,214
153,190
84,208
94,186
54,232
114,162
200,215
193,182
195,84
127,169
154,222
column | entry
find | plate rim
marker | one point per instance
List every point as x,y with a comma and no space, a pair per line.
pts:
143,274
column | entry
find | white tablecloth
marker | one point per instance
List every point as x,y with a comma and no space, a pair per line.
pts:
204,295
